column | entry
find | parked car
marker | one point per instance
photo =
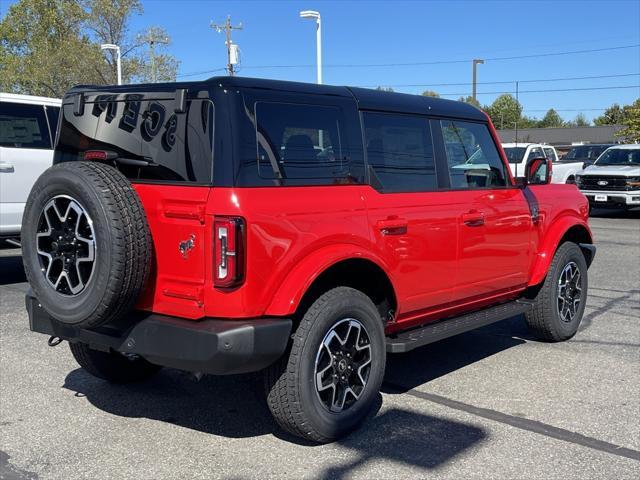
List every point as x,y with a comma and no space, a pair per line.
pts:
576,159
27,132
518,154
614,179
585,154
240,225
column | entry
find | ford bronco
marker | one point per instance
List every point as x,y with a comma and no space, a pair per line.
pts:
245,225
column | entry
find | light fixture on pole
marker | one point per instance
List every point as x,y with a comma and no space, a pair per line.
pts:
316,15
111,46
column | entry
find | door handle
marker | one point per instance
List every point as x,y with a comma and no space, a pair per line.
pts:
473,219
393,226
6,167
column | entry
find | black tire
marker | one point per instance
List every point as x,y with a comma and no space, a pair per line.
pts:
290,383
113,367
545,320
122,245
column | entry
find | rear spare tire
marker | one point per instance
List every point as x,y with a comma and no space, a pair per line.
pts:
86,243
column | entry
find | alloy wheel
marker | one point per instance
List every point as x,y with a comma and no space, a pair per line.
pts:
569,292
343,364
66,245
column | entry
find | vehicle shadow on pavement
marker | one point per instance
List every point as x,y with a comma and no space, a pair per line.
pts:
406,437
234,407
422,365
11,269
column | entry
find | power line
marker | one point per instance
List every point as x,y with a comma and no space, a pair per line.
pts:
505,81
442,62
438,62
193,74
543,91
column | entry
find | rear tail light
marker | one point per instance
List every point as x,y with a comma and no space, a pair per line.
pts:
229,251
99,155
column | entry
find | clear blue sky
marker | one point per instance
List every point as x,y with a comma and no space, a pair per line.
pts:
375,32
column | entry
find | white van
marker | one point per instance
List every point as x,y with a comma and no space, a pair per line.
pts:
28,128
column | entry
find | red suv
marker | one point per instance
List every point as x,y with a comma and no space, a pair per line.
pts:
237,225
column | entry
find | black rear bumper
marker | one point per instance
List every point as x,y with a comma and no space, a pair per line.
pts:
213,346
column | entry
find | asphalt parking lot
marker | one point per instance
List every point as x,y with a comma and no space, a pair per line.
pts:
493,403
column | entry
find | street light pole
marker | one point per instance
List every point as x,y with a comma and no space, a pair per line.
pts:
111,46
316,15
476,61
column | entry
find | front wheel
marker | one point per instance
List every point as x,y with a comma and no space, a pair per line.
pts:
331,378
560,303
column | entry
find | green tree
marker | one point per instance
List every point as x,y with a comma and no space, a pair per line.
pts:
505,111
47,46
579,121
551,119
528,122
44,49
470,100
631,122
613,115
430,93
384,89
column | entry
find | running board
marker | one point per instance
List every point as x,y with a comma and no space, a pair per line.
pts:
433,332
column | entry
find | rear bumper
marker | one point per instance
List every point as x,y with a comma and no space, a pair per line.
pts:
213,346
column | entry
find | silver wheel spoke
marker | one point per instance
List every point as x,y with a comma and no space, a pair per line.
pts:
342,365
65,244
569,292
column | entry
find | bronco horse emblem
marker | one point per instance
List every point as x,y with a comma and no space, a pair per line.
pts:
186,245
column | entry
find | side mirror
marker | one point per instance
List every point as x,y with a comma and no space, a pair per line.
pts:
537,171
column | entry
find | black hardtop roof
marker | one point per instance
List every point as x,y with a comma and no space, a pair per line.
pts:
367,99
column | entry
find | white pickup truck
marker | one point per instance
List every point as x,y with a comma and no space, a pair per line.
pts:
614,179
519,153
27,132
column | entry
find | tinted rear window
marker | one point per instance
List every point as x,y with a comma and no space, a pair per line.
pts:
178,145
23,126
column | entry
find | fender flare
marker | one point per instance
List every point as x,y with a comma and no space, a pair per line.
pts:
555,233
308,269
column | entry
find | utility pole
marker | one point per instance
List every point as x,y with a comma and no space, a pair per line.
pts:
231,52
152,38
476,61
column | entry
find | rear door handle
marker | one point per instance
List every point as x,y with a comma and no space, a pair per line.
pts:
473,219
6,167
392,226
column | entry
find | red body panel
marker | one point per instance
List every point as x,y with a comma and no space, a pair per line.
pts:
438,264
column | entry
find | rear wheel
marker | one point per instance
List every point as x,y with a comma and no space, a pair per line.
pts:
112,366
331,379
560,303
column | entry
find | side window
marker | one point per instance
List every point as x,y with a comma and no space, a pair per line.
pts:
535,152
300,142
474,161
52,115
550,154
23,126
399,152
